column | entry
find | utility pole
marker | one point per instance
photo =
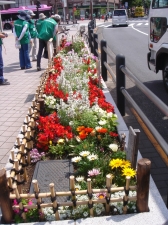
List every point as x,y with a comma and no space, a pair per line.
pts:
108,6
91,9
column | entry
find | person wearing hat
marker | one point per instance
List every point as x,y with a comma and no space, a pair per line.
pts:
55,39
21,32
33,35
48,29
42,17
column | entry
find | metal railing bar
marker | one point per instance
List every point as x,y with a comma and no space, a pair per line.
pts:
106,51
110,71
99,54
161,105
153,130
92,43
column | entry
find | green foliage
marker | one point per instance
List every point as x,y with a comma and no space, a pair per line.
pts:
77,46
58,151
119,155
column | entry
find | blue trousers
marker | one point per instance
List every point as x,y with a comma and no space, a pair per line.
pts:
1,65
24,56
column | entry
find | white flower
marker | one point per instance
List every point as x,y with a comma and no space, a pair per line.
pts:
102,122
84,153
80,179
98,211
92,157
85,214
77,187
113,147
76,159
98,128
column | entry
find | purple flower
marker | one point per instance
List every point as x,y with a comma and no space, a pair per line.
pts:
93,172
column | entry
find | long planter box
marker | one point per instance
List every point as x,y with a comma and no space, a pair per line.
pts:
157,214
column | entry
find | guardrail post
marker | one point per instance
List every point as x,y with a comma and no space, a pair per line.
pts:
103,59
120,82
95,36
143,180
94,23
91,40
89,28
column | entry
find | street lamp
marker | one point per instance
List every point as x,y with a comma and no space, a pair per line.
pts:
38,5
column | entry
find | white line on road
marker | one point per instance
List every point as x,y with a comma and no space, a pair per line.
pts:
146,24
139,24
131,24
138,30
108,26
101,25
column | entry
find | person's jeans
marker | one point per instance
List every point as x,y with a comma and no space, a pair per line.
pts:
33,48
42,46
24,56
1,65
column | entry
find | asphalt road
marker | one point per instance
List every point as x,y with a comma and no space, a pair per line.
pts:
132,42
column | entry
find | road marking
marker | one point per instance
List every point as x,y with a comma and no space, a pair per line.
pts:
151,137
108,26
146,24
139,24
132,24
139,30
101,25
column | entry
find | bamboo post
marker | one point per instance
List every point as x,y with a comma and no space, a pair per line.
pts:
6,204
16,165
28,146
109,178
143,179
125,198
90,203
18,142
10,183
53,199
39,200
22,148
12,155
20,202
72,188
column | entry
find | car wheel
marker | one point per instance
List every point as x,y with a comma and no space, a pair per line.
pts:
7,26
165,76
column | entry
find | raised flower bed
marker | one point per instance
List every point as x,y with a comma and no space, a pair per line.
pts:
76,123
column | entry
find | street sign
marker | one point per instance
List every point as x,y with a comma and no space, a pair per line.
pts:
126,5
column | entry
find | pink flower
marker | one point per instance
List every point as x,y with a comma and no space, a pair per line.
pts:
93,172
101,195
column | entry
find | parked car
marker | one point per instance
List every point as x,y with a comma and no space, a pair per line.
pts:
119,17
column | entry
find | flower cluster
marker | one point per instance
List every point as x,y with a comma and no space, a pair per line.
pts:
35,155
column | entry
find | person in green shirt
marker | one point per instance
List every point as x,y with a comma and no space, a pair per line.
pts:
48,29
2,80
33,35
21,32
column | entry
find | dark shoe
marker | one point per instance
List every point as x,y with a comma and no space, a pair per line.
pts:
28,68
38,69
33,60
4,83
22,68
5,80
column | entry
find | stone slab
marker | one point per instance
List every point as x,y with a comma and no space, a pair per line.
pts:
52,171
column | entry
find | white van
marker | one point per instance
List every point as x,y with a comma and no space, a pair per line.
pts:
119,17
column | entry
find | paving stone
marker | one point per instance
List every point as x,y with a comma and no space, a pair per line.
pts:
53,171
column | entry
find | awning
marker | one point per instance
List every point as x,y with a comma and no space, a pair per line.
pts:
7,2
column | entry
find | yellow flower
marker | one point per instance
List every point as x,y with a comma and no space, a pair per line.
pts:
115,163
60,141
50,142
128,172
126,163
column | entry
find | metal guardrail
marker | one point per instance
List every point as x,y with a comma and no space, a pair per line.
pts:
122,94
